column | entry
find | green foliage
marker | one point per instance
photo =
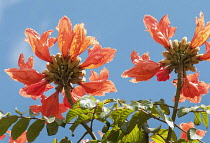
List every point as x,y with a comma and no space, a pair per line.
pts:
6,122
52,128
19,127
161,135
34,130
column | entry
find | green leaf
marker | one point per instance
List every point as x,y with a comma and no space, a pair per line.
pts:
135,136
191,134
154,130
197,118
138,118
183,111
20,113
162,135
6,122
65,140
19,128
34,130
87,102
119,115
106,127
169,122
60,122
73,113
157,112
52,128
107,101
205,119
55,141
142,104
164,107
80,119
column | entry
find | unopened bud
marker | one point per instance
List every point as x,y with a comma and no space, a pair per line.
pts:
182,44
165,62
176,45
167,54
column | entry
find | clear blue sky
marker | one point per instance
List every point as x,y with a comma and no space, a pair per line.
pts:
115,23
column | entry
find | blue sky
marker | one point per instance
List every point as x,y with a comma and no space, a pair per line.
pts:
115,23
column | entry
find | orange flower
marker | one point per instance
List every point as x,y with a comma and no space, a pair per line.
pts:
160,31
99,85
35,84
20,139
144,68
186,127
206,56
50,106
192,88
201,33
40,44
63,69
163,74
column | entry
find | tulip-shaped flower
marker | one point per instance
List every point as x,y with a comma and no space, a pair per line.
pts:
192,88
160,31
63,69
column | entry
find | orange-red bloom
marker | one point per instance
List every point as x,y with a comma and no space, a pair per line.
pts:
192,88
99,84
163,74
206,56
40,44
35,84
186,127
143,70
201,33
63,69
160,31
50,106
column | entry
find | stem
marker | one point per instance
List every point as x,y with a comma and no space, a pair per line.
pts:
177,97
88,129
68,96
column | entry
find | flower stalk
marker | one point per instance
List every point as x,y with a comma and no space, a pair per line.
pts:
177,96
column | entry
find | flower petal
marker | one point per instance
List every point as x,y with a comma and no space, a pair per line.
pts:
79,36
65,35
163,74
40,45
104,75
25,74
99,88
135,58
142,71
98,56
35,90
50,106
160,31
28,65
201,33
206,56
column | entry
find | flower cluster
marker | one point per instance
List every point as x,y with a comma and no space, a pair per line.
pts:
63,69
178,54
